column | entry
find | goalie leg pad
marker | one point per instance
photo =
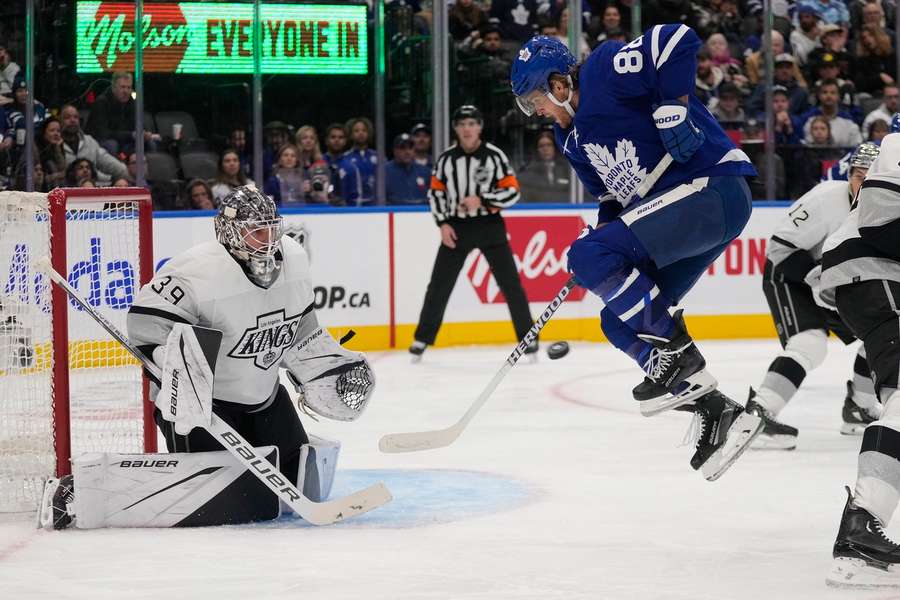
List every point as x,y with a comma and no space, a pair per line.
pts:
318,463
169,490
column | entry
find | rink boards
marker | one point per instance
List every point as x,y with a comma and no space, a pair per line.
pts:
370,270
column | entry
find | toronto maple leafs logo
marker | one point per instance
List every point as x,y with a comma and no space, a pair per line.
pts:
524,54
267,341
622,174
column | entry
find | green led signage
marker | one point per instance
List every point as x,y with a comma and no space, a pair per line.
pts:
217,37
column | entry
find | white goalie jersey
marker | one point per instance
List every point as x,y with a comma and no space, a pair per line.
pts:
206,286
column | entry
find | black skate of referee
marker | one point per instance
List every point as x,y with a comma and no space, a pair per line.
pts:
472,181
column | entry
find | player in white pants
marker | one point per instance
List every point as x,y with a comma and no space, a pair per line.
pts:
802,316
254,286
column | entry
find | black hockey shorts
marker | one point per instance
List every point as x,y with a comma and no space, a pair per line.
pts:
794,310
272,423
870,309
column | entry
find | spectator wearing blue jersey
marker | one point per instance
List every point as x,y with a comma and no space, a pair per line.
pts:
831,11
517,18
627,120
787,128
406,181
421,136
335,147
844,131
357,168
14,130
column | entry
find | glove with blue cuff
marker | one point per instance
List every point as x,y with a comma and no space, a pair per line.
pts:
678,133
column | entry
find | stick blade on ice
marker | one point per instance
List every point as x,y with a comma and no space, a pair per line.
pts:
358,503
416,441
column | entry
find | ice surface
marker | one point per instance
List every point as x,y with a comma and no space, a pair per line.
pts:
559,489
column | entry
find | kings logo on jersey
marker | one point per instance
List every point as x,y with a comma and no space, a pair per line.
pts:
266,343
622,174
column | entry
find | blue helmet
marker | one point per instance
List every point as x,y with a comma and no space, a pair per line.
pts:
895,123
538,59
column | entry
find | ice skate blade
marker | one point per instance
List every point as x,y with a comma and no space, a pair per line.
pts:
740,435
693,387
774,442
854,573
415,359
853,428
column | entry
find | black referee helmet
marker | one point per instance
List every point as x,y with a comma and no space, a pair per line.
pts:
467,111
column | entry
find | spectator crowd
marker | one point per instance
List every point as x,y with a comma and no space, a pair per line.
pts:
834,86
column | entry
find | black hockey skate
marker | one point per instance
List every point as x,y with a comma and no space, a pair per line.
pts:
723,431
864,556
417,349
55,511
775,435
675,372
855,417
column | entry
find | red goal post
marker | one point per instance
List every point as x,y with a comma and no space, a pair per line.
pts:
66,387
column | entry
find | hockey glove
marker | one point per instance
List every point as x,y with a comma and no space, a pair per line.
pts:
678,133
332,381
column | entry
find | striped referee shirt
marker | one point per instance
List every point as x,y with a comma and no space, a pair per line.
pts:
485,173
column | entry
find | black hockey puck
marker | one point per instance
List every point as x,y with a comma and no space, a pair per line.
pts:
557,350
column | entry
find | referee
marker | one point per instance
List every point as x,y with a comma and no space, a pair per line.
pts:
472,180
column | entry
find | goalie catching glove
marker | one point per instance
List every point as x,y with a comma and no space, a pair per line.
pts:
332,381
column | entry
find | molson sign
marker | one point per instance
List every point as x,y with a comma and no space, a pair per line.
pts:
539,246
217,37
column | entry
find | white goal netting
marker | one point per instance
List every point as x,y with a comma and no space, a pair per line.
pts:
100,388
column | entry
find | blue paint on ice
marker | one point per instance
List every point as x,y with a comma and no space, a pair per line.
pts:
425,497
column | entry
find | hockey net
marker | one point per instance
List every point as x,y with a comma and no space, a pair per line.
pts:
66,387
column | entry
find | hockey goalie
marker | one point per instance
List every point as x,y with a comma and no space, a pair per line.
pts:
252,285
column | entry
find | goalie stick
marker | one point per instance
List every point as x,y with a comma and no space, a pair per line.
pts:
415,441
317,513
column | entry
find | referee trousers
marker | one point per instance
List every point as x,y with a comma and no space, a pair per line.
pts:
487,234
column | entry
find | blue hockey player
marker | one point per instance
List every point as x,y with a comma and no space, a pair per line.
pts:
622,112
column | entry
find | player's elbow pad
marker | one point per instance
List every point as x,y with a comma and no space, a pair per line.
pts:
334,382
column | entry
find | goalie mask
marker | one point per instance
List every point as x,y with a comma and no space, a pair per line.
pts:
864,155
250,228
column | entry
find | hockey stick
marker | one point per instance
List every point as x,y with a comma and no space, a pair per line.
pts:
439,438
429,440
317,513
